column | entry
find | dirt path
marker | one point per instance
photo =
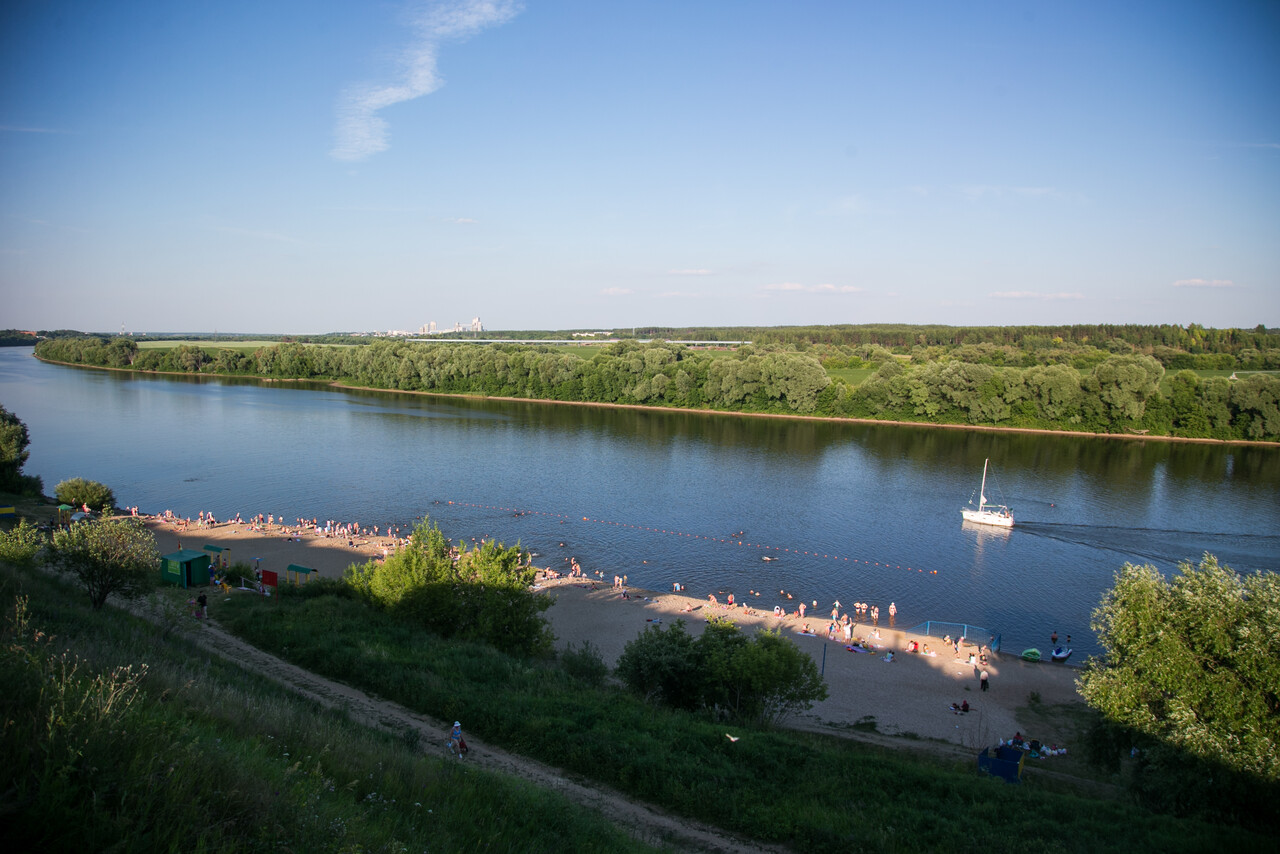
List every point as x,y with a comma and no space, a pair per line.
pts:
645,822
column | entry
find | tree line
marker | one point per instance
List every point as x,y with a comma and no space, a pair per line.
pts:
1072,387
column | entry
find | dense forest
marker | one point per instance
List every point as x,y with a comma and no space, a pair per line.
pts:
1081,382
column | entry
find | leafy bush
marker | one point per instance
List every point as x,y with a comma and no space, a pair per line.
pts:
585,664
111,556
241,571
761,680
480,595
1190,678
79,492
20,545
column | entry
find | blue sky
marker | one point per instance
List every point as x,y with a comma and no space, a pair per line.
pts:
312,167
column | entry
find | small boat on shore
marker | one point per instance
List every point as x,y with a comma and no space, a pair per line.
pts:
984,513
1032,654
1060,654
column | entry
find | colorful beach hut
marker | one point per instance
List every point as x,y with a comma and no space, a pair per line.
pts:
217,554
185,568
296,574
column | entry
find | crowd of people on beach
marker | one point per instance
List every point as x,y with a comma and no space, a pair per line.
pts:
388,538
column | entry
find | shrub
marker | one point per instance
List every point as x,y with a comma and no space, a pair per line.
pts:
760,680
481,595
585,664
239,571
112,556
20,545
79,492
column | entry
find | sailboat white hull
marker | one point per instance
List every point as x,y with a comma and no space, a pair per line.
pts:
987,514
1000,518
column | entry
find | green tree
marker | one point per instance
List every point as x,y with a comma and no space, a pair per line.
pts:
1256,400
79,492
662,666
760,679
1189,416
20,545
1119,387
112,556
14,440
1193,664
481,595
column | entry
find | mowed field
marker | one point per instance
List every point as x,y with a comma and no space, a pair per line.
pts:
215,344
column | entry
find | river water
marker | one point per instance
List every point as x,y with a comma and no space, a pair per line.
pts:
841,511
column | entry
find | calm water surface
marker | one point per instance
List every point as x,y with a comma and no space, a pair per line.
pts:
845,511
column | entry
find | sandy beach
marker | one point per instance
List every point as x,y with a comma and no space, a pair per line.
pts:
911,694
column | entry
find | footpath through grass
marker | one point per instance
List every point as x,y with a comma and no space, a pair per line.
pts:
806,791
119,736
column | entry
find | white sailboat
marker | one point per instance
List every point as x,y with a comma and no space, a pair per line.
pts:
987,514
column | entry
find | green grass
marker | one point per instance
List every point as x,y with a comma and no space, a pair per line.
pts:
203,344
853,376
805,790
1166,382
203,755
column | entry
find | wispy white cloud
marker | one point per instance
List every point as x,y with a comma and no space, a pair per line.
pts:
1034,295
688,272
1204,283
616,292
360,131
465,220
825,288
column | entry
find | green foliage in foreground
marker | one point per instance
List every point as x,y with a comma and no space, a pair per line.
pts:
120,738
108,556
803,790
79,492
482,594
1192,674
759,680
20,544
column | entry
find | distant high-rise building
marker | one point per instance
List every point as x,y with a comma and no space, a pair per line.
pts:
476,326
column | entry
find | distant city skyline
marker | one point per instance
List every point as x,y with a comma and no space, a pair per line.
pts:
598,166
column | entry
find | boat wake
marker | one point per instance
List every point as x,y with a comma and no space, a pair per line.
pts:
1166,548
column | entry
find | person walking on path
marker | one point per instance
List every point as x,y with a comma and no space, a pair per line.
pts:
456,744
984,677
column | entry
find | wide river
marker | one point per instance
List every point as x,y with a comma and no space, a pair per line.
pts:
822,510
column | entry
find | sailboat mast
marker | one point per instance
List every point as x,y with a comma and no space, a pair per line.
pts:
982,490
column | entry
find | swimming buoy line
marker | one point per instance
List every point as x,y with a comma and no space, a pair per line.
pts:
725,540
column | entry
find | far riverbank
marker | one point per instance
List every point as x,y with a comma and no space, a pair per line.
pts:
980,428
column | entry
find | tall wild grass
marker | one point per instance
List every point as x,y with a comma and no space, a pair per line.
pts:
120,735
803,790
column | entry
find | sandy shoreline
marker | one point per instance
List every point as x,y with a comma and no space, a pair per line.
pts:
912,694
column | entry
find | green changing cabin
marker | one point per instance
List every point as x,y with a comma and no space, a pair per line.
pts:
185,568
